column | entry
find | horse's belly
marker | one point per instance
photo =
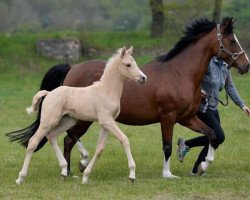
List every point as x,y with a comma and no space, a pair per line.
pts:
137,117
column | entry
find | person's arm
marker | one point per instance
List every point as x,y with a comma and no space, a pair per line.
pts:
232,92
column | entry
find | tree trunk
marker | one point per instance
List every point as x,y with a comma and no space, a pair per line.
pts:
217,10
157,25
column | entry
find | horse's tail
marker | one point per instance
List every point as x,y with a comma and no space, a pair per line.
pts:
37,99
54,77
51,80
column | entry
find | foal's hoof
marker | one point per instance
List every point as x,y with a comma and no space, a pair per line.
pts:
132,180
83,164
85,179
170,176
19,181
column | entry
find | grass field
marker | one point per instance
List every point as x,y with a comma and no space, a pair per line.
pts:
227,178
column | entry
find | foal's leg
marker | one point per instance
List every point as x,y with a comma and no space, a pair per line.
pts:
167,126
197,125
33,143
99,149
64,124
110,125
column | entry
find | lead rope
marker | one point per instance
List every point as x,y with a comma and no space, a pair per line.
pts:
220,101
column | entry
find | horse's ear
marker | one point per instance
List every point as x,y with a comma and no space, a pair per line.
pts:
130,50
227,25
123,51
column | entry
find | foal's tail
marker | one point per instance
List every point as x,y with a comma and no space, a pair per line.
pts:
51,80
37,99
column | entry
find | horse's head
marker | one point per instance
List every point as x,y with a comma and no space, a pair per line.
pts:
128,66
230,49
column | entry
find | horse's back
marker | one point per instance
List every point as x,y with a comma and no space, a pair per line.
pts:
92,69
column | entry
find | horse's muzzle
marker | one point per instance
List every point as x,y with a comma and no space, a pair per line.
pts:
243,71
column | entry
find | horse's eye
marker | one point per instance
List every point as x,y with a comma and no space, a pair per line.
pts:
128,65
232,41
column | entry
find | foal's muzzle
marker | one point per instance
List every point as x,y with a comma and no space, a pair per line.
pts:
142,79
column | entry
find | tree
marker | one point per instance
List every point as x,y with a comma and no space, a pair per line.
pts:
157,24
217,10
3,16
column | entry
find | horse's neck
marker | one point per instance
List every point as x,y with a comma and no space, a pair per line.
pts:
112,82
196,59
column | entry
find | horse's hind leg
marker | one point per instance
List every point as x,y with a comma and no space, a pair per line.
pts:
71,139
64,124
33,143
197,125
99,149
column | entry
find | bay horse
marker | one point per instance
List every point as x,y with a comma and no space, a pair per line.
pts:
64,106
172,92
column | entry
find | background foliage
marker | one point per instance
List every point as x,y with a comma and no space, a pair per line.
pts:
35,15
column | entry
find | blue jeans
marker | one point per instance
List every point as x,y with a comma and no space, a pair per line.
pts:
212,119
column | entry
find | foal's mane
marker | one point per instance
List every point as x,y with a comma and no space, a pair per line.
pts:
112,58
192,33
109,63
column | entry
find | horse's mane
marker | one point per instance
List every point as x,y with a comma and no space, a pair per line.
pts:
192,33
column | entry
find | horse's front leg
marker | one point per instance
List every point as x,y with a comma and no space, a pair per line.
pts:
197,125
167,126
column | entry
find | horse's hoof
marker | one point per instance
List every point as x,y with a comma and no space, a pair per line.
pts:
64,175
82,165
201,170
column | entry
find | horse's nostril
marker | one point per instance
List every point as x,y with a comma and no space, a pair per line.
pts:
248,67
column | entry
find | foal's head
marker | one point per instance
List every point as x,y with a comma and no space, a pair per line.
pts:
128,66
230,49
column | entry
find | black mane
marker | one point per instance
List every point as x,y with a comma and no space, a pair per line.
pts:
191,33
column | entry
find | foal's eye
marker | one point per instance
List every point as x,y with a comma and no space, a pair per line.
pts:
128,65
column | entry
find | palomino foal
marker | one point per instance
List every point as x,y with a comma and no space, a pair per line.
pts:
100,102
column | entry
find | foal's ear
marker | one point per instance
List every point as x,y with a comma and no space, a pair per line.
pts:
130,50
124,49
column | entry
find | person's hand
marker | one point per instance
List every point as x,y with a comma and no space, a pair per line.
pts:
246,110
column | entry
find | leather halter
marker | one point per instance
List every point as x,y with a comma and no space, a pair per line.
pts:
223,48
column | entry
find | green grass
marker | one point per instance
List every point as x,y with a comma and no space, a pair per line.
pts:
227,178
